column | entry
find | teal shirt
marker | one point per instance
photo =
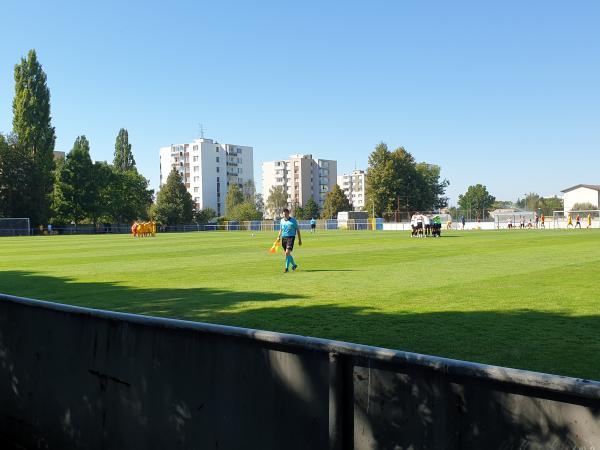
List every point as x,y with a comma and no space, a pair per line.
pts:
313,221
288,227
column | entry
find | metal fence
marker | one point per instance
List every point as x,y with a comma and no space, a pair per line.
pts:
81,378
255,225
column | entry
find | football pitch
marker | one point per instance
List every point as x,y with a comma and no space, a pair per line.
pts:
525,299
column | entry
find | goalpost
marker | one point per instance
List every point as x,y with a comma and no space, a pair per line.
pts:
561,218
15,226
514,219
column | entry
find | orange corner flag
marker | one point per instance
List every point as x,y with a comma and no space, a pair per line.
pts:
274,247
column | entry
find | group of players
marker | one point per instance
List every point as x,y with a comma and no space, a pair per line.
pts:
540,222
143,229
578,221
424,226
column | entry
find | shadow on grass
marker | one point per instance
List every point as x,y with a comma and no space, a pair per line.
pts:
405,408
526,339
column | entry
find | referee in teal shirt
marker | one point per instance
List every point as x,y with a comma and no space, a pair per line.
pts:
287,233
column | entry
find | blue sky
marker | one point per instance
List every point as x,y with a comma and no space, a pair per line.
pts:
506,94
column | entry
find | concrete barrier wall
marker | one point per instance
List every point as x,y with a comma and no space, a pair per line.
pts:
81,378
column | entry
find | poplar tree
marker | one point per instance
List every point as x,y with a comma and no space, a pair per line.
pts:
35,134
123,156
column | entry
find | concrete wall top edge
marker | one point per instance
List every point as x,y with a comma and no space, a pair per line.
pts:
544,382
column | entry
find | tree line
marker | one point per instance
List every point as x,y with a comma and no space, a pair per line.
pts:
73,190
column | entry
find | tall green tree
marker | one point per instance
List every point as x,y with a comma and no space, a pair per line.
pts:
431,193
380,181
126,196
276,201
15,170
76,190
260,203
233,198
35,135
585,206
249,191
395,182
298,212
311,209
335,201
531,202
476,199
244,211
203,216
174,204
123,156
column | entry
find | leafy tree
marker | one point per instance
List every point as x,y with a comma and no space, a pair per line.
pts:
234,197
260,203
203,216
277,201
123,156
550,204
335,201
432,189
583,206
380,181
394,181
249,191
299,212
477,198
244,211
36,137
502,204
311,209
127,196
76,191
531,202
174,204
15,169
105,184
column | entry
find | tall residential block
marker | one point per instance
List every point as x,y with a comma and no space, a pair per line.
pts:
208,168
301,177
353,185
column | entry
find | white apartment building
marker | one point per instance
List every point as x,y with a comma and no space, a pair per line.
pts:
207,169
353,185
302,177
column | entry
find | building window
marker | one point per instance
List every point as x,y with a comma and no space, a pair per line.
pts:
196,189
218,179
195,148
217,159
196,169
195,158
196,179
239,150
217,170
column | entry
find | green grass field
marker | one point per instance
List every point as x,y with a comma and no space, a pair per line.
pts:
525,299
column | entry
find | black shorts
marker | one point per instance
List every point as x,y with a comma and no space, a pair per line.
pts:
312,225
287,242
